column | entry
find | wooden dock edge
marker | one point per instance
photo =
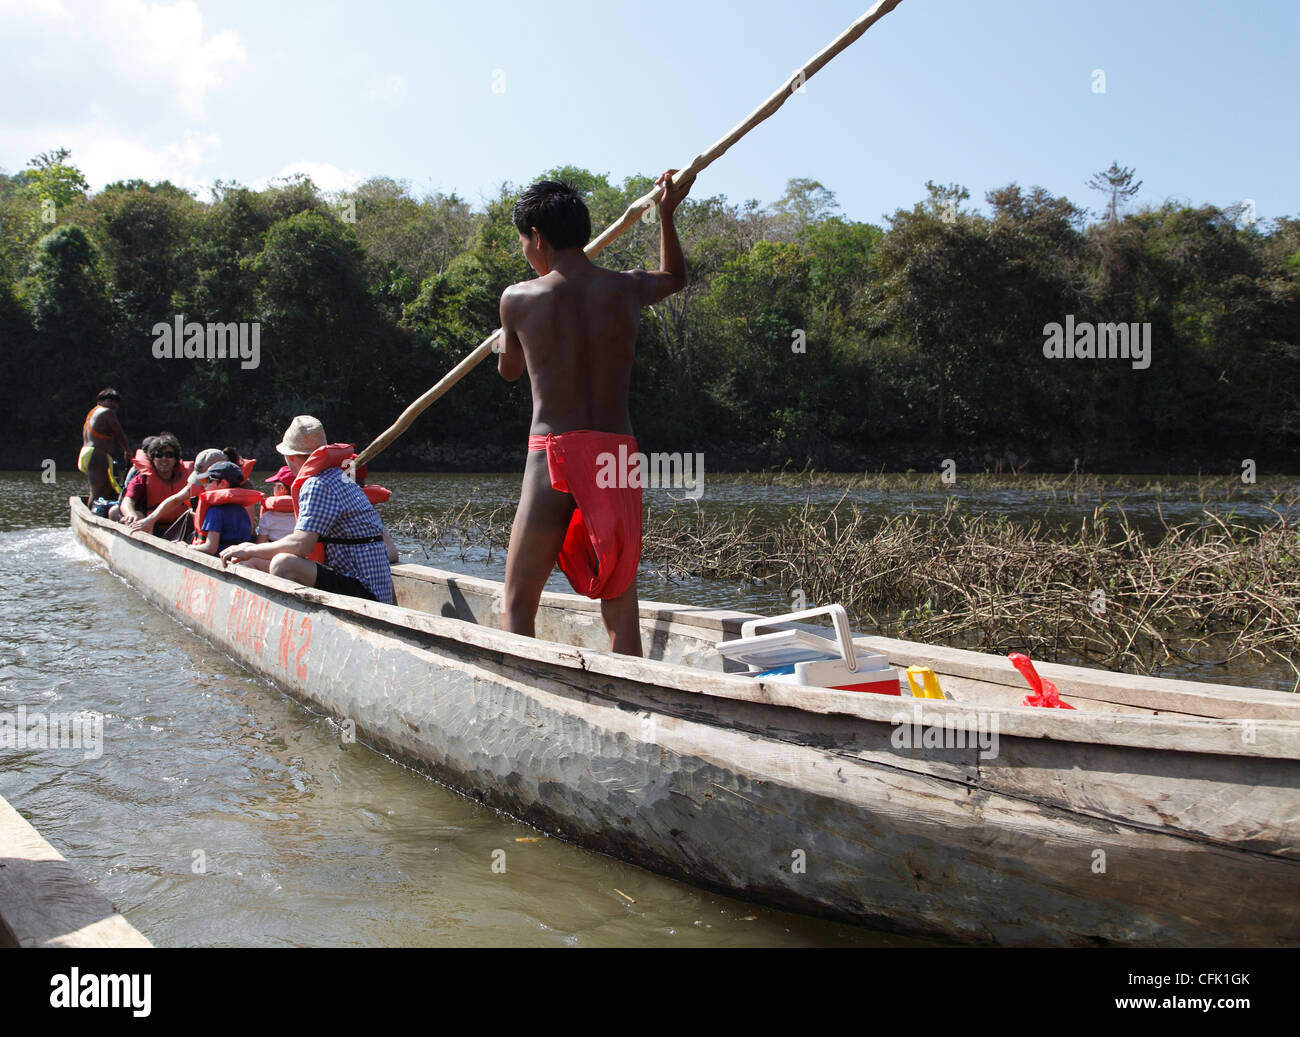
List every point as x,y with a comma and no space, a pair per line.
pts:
45,902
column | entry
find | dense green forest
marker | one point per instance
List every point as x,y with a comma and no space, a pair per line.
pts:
802,337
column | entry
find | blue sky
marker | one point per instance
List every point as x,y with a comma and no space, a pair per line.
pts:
463,96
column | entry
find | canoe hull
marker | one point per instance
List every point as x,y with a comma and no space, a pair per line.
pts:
815,812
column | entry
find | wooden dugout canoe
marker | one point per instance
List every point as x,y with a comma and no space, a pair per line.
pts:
1161,812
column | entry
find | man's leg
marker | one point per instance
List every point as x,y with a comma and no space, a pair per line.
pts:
535,541
622,616
291,567
97,475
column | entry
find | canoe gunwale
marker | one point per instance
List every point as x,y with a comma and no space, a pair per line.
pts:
1271,738
912,831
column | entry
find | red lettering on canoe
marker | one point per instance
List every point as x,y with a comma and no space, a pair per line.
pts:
232,617
305,631
197,597
286,639
246,624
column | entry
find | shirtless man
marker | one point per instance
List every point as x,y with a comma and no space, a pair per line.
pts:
574,330
99,433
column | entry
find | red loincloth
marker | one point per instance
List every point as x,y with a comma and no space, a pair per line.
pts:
602,547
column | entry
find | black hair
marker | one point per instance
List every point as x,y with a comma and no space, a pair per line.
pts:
232,455
161,442
108,394
557,210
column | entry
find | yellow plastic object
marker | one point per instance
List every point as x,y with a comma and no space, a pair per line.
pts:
924,684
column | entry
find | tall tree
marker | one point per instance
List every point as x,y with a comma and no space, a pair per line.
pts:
1117,183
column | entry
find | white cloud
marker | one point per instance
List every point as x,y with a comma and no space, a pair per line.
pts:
34,9
324,175
163,45
105,155
387,89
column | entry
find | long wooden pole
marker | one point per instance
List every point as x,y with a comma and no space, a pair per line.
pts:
637,209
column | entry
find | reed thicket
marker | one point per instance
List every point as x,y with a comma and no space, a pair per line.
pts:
1210,590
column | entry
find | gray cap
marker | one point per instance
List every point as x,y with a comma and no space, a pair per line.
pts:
206,459
223,469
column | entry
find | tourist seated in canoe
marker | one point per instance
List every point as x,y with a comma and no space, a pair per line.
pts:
156,497
574,330
224,518
277,518
116,512
100,432
331,513
182,501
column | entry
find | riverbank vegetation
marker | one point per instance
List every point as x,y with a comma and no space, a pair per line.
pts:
1212,591
802,336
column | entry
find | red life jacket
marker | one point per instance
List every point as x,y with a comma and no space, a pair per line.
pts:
157,491
322,459
211,498
283,504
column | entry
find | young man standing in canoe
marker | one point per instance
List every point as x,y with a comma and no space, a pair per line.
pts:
574,330
100,432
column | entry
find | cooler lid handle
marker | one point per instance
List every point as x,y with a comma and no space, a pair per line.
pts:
838,616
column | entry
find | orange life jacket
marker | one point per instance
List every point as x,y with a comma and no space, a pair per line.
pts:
375,494
157,491
230,495
85,427
322,459
283,504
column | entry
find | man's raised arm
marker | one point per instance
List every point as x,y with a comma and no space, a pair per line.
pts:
671,275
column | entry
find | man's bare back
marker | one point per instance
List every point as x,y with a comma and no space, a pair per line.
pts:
574,330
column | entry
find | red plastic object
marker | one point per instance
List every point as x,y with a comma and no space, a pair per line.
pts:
1048,697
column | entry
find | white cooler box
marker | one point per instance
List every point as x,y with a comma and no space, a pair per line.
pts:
804,658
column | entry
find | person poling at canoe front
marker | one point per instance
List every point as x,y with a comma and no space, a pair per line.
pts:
574,330
332,513
100,432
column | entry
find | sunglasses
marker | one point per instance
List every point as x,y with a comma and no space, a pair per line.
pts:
167,453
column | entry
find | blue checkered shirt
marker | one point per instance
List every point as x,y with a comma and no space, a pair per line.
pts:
330,505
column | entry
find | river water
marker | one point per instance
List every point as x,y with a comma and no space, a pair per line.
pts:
224,813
